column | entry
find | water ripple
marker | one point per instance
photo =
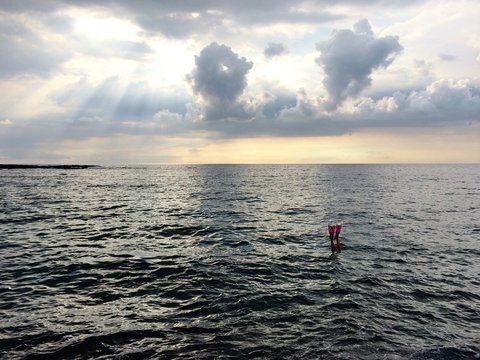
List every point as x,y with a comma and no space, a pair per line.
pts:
200,262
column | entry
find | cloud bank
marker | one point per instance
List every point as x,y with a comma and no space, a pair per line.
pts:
219,82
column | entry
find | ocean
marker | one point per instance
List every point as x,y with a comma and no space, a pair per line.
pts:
233,262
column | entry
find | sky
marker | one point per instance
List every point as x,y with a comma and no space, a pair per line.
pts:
224,81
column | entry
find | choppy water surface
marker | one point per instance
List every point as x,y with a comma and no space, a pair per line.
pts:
200,262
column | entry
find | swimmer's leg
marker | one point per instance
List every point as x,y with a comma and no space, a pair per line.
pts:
338,246
332,245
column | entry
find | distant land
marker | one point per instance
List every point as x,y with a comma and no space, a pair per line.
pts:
21,166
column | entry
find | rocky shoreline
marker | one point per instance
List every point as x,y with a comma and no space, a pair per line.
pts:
66,167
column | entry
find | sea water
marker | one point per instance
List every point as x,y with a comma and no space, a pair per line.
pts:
226,261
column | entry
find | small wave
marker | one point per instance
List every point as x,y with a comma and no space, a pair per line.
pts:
241,243
215,262
112,207
426,295
180,230
466,295
27,219
343,304
93,345
446,353
296,211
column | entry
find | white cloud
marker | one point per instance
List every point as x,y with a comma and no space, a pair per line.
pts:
439,27
441,101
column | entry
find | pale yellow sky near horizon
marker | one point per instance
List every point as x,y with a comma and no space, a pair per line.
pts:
373,146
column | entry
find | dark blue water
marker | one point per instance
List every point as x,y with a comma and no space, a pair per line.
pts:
196,262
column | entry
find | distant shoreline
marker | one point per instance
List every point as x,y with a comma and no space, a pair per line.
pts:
21,166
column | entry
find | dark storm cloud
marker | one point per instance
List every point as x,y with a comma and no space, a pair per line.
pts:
274,49
25,52
219,78
348,59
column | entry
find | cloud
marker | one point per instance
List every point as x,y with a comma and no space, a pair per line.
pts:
26,52
274,49
30,5
180,19
447,57
272,104
219,79
147,96
363,27
455,99
186,18
348,59
280,15
443,103
87,121
165,116
115,99
178,24
126,49
422,66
